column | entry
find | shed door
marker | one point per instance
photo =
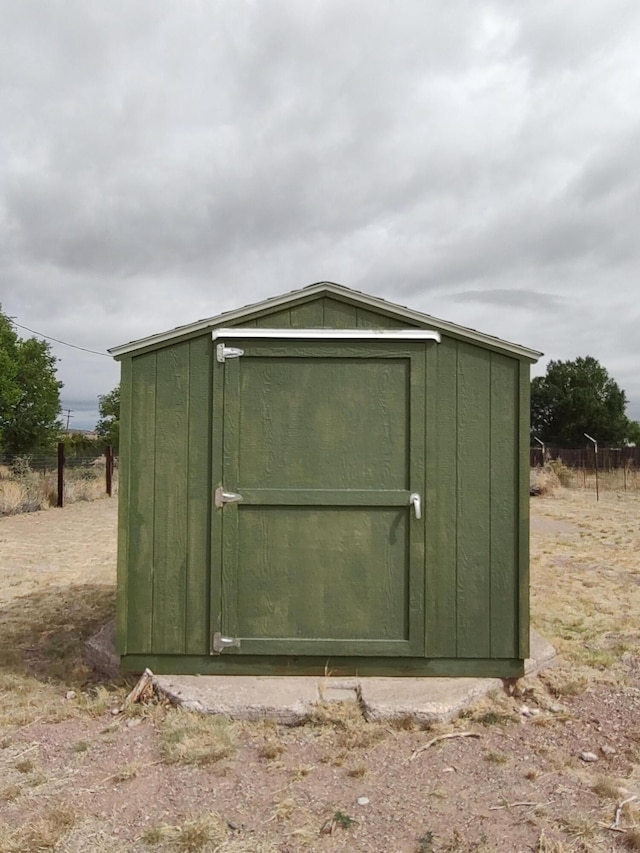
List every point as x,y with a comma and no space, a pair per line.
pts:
324,554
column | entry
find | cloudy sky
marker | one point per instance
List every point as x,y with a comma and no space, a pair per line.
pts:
165,160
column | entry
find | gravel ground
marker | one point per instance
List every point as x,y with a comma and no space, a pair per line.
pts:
522,784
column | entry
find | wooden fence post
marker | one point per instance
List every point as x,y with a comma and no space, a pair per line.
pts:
60,473
108,455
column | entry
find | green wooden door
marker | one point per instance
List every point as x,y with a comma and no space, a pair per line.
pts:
324,554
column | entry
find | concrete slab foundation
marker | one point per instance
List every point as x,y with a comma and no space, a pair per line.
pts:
291,700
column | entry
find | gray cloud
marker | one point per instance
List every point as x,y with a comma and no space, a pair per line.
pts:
164,161
525,299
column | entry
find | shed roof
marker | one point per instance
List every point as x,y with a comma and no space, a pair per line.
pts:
336,291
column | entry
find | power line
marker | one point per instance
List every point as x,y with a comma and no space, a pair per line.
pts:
64,343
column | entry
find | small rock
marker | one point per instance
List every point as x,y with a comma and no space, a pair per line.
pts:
116,711
608,750
70,694
449,770
526,712
363,801
588,756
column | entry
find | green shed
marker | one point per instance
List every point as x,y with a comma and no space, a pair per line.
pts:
324,481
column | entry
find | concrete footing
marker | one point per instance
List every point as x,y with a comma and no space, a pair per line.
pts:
291,700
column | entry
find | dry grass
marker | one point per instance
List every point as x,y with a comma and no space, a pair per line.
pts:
192,738
206,832
30,491
43,834
585,593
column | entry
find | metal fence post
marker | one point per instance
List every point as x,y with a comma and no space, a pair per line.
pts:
108,455
60,474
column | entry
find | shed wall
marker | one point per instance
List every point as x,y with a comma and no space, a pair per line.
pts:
473,493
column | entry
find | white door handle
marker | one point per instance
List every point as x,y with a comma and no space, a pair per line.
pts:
414,498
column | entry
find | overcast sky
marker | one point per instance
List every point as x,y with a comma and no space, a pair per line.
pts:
163,161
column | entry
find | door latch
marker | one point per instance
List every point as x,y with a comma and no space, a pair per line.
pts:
222,497
414,499
219,643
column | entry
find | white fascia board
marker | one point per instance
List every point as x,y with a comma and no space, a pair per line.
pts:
329,334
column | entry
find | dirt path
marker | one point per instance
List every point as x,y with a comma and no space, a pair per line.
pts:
76,544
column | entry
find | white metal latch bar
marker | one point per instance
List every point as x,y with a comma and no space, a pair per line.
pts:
221,497
414,499
223,352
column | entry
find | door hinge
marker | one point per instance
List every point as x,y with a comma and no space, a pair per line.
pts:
219,643
223,352
221,497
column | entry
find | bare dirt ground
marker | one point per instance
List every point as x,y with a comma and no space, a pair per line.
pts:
547,769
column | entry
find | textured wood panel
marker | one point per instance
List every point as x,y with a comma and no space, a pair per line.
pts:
441,500
473,504
198,498
124,503
339,315
373,320
324,423
504,506
170,532
309,315
524,409
141,504
310,573
277,320
306,439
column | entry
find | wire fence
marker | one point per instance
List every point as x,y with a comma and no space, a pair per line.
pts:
34,481
609,458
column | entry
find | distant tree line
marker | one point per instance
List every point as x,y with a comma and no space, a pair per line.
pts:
578,397
573,398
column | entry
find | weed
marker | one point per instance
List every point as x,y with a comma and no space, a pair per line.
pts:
129,771
208,831
578,826
357,772
270,749
496,757
425,843
40,835
25,766
343,820
80,746
606,787
191,738
284,809
632,838
10,793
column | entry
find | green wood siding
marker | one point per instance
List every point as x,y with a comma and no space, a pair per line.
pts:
473,475
124,502
473,502
165,525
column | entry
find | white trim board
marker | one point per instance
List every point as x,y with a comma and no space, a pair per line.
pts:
330,334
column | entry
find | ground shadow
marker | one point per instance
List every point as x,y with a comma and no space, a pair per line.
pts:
44,633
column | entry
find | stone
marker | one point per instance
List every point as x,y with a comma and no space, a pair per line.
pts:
588,756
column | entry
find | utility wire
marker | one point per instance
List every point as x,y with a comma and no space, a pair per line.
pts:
64,343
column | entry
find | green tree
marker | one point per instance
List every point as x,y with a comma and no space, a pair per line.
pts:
108,427
577,397
29,392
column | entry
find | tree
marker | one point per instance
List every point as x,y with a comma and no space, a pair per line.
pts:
108,427
29,392
577,397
